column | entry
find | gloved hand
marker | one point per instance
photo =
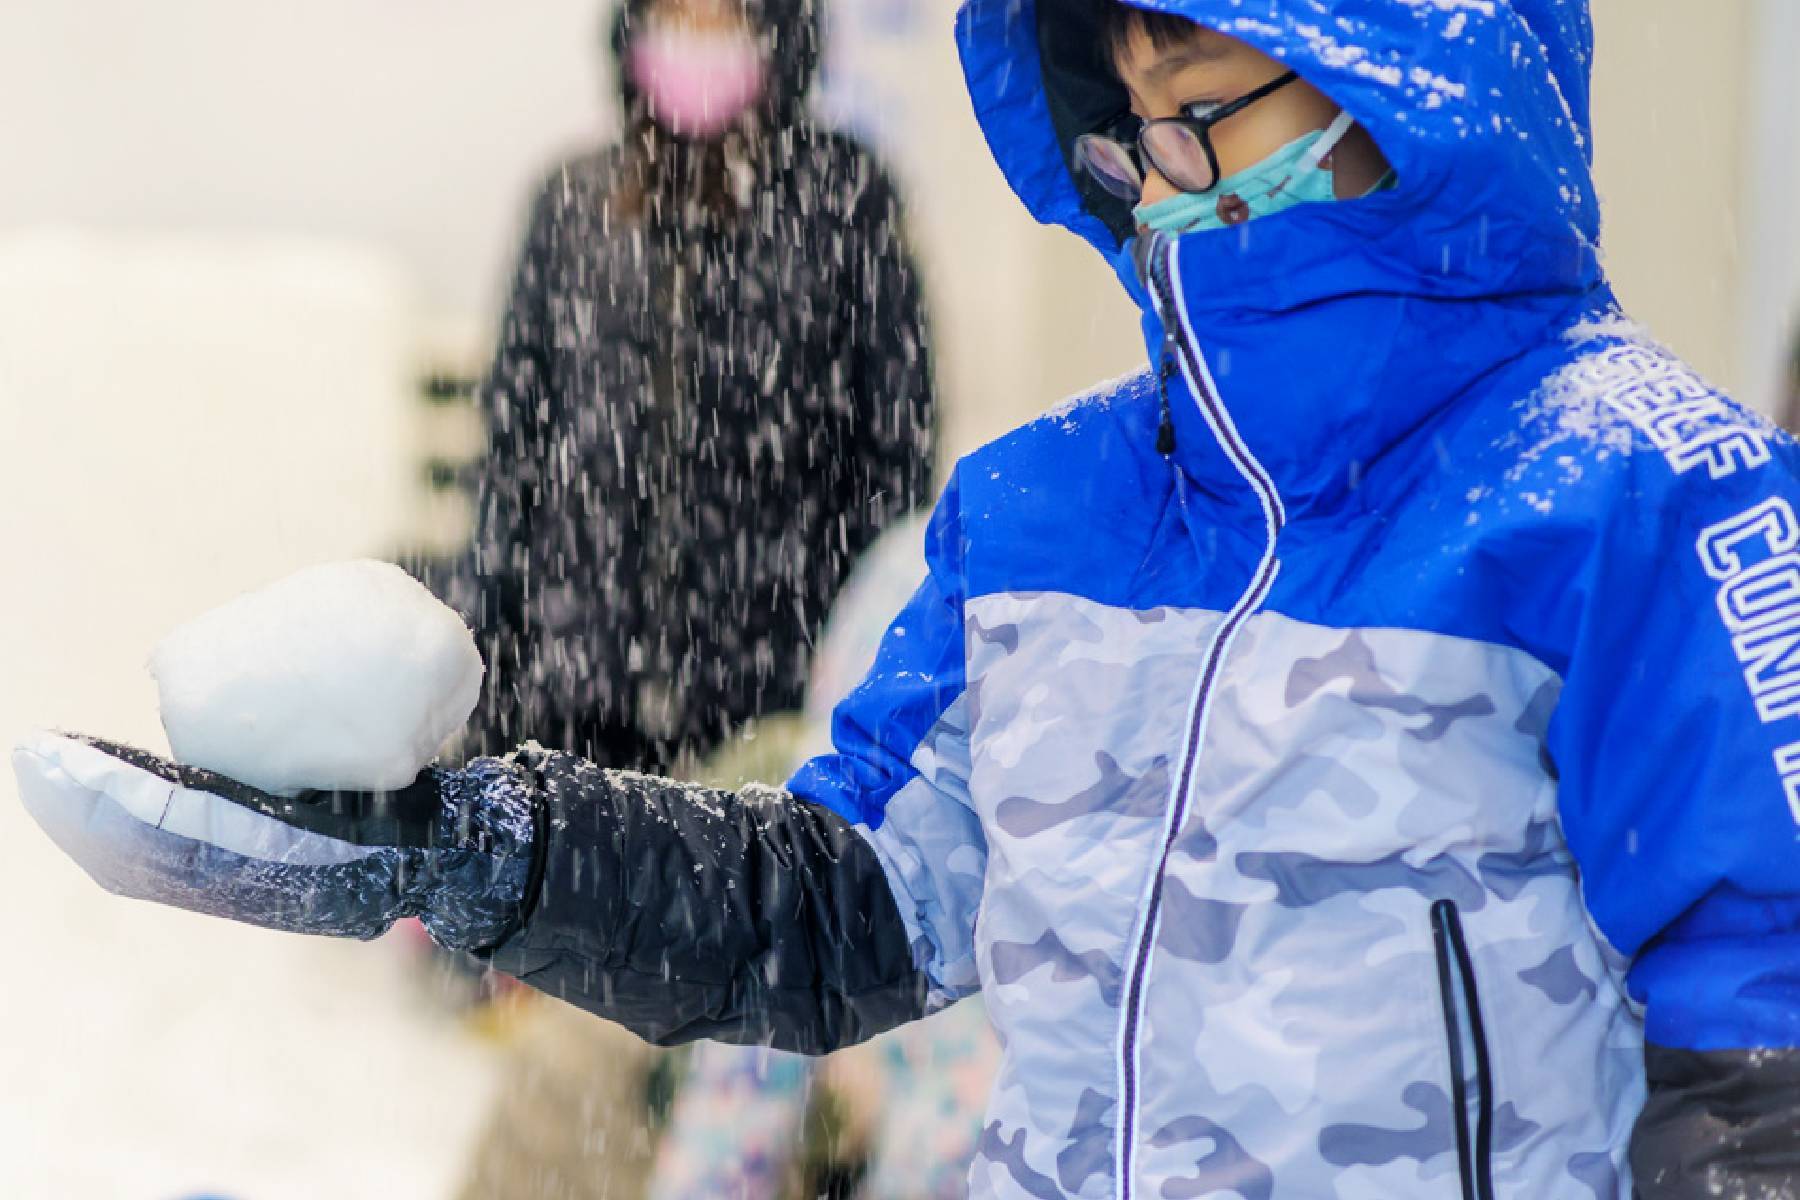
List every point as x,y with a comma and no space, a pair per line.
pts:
454,848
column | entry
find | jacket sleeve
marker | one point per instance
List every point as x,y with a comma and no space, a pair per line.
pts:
808,918
486,584
900,765
683,913
890,385
1677,742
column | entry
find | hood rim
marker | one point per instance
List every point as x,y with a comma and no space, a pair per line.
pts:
1557,236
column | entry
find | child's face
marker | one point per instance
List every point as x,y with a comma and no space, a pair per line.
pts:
1204,69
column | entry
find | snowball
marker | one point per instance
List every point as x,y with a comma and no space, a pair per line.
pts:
349,675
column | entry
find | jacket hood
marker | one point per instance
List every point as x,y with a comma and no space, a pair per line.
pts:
792,30
1351,321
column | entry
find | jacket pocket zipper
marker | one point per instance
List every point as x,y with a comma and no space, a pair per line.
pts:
1471,1081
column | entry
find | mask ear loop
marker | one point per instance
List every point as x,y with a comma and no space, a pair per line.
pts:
1334,133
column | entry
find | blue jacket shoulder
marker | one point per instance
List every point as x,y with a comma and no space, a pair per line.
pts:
1069,501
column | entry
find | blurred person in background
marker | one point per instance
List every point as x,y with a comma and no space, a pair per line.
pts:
899,1118
711,392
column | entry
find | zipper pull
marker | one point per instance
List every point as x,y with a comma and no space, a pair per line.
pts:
1153,253
1165,429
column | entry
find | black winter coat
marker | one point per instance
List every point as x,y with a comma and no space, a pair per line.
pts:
694,430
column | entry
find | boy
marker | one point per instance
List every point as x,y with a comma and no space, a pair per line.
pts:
1357,734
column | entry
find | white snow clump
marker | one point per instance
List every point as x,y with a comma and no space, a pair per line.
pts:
348,676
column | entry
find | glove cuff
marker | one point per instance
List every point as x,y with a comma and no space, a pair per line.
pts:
480,883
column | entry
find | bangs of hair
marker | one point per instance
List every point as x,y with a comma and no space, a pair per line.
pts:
1118,21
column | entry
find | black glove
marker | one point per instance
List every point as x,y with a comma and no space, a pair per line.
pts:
454,848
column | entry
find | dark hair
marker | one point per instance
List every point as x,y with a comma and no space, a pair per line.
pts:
1118,21
662,171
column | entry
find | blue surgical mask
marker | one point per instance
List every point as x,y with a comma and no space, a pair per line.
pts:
1291,176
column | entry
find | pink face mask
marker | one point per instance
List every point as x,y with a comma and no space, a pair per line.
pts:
696,84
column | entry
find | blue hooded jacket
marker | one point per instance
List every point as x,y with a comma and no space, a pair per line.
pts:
1333,805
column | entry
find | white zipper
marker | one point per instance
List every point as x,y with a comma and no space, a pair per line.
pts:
1142,947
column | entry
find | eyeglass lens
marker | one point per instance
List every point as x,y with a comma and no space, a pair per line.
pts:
1174,148
1112,165
1178,154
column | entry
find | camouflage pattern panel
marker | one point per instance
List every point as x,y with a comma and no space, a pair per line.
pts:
1076,714
934,853
1349,780
1295,1041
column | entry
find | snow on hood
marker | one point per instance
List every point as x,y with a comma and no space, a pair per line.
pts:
1480,105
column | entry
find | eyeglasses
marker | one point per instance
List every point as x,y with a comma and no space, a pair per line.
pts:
1180,148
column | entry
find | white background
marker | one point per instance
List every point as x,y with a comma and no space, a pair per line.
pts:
418,126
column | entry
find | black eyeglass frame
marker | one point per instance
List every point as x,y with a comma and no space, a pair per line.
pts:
1201,127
